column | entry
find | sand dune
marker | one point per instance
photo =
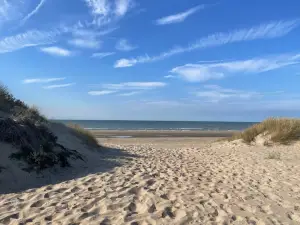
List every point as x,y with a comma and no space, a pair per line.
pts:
169,182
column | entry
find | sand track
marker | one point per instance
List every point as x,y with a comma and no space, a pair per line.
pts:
220,183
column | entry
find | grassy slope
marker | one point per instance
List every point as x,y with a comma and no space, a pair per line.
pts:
280,130
26,129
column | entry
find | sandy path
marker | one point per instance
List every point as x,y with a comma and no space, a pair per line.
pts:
172,184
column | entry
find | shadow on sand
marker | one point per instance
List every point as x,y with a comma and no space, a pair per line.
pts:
99,161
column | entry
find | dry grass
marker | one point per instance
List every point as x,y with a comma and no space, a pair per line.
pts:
6,99
281,130
86,136
31,114
18,110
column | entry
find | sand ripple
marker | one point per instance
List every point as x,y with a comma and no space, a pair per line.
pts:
216,184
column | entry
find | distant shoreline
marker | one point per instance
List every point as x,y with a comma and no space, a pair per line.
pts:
161,126
159,133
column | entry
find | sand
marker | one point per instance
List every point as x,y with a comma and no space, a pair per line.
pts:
169,181
160,133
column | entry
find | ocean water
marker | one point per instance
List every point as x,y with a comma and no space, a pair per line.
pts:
157,125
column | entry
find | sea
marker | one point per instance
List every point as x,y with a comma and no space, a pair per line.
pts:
159,125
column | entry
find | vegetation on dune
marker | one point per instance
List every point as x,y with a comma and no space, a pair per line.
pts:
280,130
17,109
26,129
86,136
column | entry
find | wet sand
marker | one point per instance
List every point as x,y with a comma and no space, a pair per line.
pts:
159,133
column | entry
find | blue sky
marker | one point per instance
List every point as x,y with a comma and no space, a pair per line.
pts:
228,60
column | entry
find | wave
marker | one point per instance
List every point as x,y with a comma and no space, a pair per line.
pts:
137,129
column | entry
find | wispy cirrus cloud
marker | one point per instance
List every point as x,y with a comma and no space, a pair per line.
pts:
107,11
169,76
57,51
85,43
28,39
122,6
11,10
88,33
58,86
215,93
99,7
104,92
126,94
43,80
133,88
88,38
179,17
134,85
206,71
101,55
124,45
33,12
274,29
5,8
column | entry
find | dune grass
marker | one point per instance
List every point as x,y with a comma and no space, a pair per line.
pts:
280,130
27,130
6,99
17,109
86,136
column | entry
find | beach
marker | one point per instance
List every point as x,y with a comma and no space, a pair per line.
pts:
160,133
169,180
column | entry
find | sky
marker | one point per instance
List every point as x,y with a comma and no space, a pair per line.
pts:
198,60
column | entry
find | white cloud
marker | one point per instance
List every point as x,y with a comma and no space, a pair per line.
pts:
169,76
28,39
269,30
11,10
88,38
5,9
196,73
165,103
134,85
85,43
216,94
89,33
43,80
125,63
105,92
33,12
57,51
207,71
58,86
105,12
124,45
180,17
129,93
122,6
99,7
101,55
